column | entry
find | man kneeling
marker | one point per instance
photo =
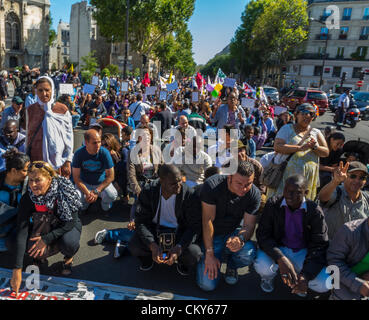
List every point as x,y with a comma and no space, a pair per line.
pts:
292,236
167,223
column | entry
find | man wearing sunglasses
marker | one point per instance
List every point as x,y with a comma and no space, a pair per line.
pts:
346,202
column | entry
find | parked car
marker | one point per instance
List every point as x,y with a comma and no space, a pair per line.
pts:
362,102
306,95
271,93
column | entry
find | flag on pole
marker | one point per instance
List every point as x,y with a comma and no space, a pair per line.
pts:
170,77
163,82
220,77
146,81
199,81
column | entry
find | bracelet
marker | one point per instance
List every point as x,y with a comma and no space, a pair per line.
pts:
210,250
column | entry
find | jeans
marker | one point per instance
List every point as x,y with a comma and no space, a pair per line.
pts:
124,235
235,260
75,120
267,268
108,196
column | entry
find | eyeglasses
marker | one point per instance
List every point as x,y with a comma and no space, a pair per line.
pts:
354,176
306,112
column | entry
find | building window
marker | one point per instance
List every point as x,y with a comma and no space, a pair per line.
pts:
12,32
318,70
356,73
364,33
347,14
343,33
362,51
337,72
366,14
340,52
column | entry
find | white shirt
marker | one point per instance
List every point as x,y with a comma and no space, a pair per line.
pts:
344,98
142,109
167,213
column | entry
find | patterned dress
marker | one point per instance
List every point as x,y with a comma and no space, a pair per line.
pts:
305,163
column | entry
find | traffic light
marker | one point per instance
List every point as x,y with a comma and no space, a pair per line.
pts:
344,74
362,75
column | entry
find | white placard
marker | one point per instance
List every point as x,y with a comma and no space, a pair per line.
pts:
89,89
172,86
195,96
163,95
229,82
95,81
247,103
124,87
66,88
279,110
150,91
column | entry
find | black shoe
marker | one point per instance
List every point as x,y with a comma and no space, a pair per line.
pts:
182,269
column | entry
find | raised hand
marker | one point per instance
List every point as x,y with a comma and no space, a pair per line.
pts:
340,173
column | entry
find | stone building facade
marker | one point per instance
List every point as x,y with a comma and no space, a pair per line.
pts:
24,33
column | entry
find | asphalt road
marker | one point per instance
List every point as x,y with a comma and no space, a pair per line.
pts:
96,263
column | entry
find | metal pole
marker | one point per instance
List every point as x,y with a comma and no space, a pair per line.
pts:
126,53
324,58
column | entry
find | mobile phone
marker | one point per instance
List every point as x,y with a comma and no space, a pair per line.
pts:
165,257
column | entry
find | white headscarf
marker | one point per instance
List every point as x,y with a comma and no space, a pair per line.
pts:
57,141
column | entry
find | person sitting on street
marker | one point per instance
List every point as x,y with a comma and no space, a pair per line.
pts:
349,252
13,112
226,201
193,162
345,202
249,142
93,172
53,203
292,237
13,185
168,209
11,138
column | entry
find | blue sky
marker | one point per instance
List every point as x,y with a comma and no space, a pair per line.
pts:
212,25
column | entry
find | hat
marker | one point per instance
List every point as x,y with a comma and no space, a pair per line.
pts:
96,125
240,145
17,100
357,166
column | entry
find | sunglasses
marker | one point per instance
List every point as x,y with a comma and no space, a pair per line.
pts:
354,176
39,165
306,112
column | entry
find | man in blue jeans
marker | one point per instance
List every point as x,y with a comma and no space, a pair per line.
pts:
226,201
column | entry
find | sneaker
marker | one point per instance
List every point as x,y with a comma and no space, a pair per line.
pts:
182,269
267,285
302,295
100,236
146,267
231,276
119,250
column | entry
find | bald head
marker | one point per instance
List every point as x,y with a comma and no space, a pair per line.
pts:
92,141
10,130
183,122
90,134
145,120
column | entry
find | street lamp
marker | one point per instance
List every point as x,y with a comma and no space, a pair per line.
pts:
126,49
325,51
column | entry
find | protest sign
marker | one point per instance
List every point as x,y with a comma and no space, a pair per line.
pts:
248,103
66,88
279,110
124,87
163,95
195,96
89,89
150,91
172,86
95,81
229,82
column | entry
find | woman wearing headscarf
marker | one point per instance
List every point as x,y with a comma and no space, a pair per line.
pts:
49,129
53,204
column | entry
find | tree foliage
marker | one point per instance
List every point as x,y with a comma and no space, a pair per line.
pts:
224,62
89,66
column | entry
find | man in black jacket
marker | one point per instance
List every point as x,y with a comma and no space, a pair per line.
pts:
292,237
167,206
165,117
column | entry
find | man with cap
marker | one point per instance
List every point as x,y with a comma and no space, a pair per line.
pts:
345,202
13,112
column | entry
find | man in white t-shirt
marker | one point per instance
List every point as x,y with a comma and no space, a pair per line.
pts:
138,109
343,105
166,206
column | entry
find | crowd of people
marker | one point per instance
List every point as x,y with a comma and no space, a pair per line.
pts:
189,171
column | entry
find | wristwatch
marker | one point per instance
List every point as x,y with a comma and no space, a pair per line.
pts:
315,147
242,238
97,192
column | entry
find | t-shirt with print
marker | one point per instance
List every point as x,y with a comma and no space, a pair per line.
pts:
230,208
92,166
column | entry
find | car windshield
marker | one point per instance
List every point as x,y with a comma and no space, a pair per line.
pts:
299,93
317,96
362,97
270,90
